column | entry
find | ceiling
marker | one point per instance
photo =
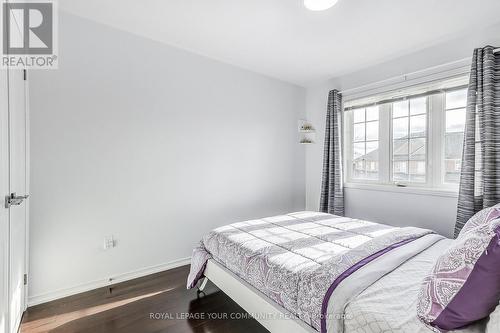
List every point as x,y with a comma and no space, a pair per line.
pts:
281,39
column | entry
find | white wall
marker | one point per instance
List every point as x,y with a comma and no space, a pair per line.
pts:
153,145
435,212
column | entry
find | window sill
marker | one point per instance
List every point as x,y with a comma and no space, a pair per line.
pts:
439,192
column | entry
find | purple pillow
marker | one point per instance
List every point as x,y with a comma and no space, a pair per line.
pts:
464,285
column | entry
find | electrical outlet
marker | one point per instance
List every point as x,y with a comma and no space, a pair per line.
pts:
109,242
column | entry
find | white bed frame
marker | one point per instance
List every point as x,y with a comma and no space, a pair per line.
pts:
272,316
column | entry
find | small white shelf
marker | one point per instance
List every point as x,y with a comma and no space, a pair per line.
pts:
307,132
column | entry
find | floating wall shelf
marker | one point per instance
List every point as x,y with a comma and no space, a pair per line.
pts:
307,133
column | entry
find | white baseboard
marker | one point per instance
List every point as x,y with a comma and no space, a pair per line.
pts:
56,294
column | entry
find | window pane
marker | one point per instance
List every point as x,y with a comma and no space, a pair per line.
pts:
418,126
358,163
358,150
359,132
365,162
418,149
417,171
358,169
365,134
359,115
455,120
372,113
400,128
418,106
453,156
400,109
400,171
371,160
372,150
453,145
372,131
452,171
456,99
454,135
400,150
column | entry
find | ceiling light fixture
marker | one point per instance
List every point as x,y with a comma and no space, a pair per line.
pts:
317,5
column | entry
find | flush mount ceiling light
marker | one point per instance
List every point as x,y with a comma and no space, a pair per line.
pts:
318,5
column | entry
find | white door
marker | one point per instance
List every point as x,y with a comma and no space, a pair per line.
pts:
13,178
17,189
4,213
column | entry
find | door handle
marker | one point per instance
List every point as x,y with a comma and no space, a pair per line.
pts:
13,200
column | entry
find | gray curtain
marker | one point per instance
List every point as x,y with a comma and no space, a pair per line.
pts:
480,175
332,191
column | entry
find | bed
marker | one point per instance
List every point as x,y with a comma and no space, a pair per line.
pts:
316,272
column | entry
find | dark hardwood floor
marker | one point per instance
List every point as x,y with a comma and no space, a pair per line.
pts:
156,303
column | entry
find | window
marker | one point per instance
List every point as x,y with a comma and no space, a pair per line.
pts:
412,140
365,143
455,103
409,140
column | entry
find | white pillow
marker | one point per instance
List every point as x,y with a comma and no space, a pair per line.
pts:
481,217
493,325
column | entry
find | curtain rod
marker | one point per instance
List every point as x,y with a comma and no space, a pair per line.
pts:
379,84
407,97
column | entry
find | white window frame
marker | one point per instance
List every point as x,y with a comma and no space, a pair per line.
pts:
436,127
428,177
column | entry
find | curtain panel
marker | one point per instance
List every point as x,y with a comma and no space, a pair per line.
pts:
332,190
480,173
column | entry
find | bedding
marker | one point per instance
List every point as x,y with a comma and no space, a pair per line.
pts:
389,304
312,264
464,283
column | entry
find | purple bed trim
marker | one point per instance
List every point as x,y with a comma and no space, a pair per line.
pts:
352,269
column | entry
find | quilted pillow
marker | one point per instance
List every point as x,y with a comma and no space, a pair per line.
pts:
464,284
